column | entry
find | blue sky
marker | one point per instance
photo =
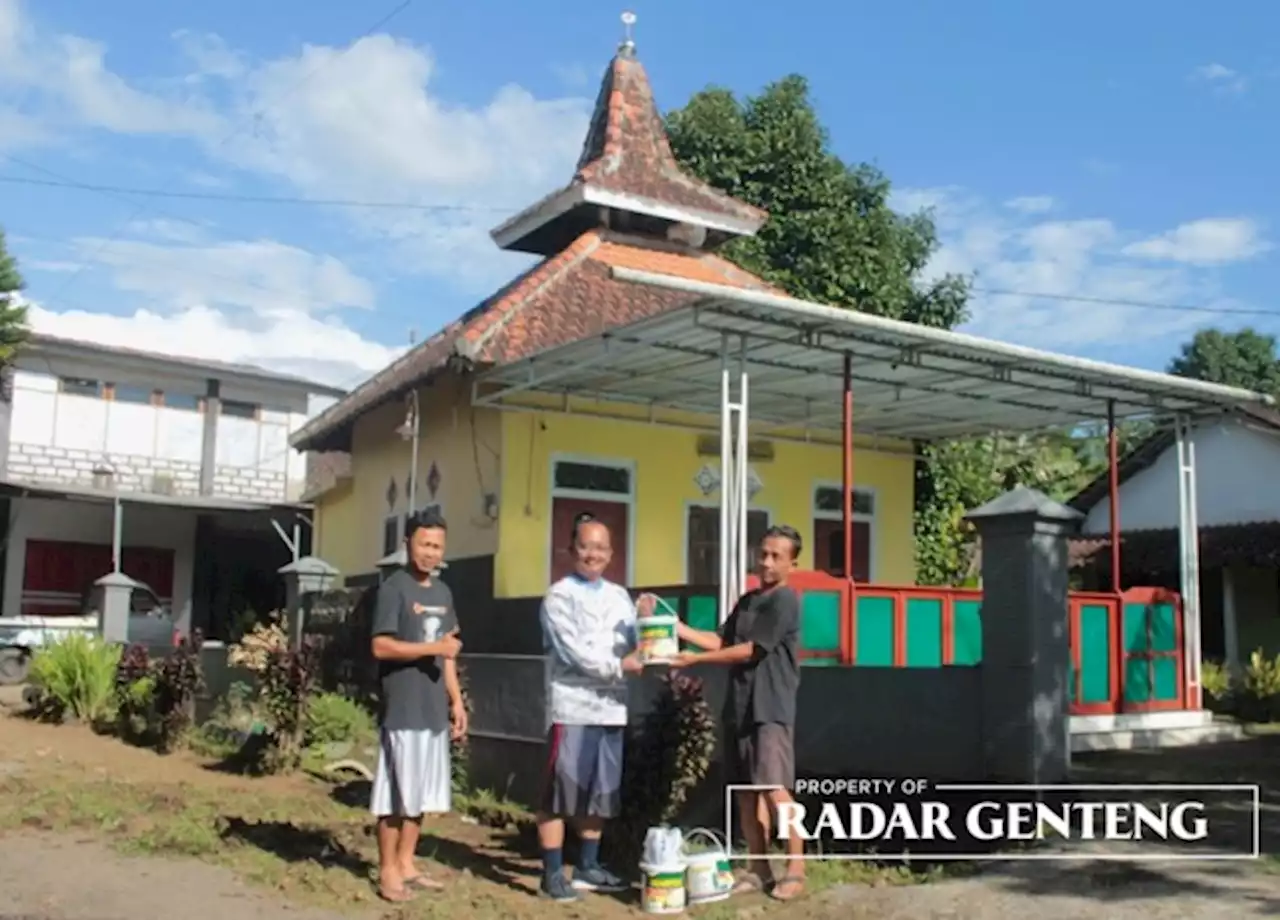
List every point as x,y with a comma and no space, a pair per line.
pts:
1104,151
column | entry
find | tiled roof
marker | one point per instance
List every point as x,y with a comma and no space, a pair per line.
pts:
627,150
1256,544
562,299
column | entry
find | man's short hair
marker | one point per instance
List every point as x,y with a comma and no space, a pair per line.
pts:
582,517
427,519
789,533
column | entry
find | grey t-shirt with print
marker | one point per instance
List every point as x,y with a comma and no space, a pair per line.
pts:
413,692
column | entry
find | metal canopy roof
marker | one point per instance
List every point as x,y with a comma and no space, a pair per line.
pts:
909,381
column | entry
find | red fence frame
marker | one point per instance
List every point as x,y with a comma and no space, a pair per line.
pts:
1117,660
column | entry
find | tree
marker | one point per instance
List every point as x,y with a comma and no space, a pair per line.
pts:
831,236
1245,359
13,312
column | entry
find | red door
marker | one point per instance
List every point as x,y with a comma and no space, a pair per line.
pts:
612,514
828,549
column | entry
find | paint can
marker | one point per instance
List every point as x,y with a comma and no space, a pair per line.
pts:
708,875
662,889
657,641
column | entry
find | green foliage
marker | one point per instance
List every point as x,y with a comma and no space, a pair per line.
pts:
1218,685
179,680
335,719
460,762
668,755
957,476
74,677
1245,359
289,680
831,235
135,696
13,312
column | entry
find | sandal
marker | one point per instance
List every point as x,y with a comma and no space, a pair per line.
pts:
747,883
795,882
423,883
401,896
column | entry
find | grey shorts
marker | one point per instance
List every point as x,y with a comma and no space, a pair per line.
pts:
765,755
584,771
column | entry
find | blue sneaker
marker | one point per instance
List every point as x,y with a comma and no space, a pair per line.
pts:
558,889
597,878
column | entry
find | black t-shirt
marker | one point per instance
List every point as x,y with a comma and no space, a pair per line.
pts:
764,689
413,692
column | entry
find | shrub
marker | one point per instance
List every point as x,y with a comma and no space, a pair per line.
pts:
1261,686
460,758
665,759
288,682
179,680
135,696
254,650
74,677
334,719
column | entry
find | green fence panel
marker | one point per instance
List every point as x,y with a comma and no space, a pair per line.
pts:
820,621
1135,629
966,625
701,612
873,646
1095,653
924,632
1164,631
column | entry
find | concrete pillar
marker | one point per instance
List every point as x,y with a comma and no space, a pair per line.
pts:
390,564
304,579
6,414
1230,622
209,436
113,617
1025,643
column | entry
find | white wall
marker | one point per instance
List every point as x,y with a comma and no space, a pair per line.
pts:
62,436
91,522
1237,466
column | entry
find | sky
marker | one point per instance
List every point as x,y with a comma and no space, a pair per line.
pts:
1104,172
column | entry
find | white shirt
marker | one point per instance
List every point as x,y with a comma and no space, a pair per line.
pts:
588,628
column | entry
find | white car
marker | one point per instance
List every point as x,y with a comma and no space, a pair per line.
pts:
150,624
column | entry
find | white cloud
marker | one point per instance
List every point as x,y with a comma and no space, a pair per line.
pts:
1220,77
361,122
1210,241
1030,204
290,342
1013,256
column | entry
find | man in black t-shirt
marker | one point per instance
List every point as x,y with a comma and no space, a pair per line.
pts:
760,641
415,642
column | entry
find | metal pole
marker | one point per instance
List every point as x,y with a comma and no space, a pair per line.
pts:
744,487
1113,486
726,474
413,459
847,474
117,532
1192,636
297,541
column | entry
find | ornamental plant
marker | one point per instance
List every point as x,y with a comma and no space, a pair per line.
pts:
179,681
256,647
289,680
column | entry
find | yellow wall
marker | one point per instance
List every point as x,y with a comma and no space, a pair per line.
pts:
464,444
666,460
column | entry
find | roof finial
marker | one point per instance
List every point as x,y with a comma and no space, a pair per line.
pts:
628,46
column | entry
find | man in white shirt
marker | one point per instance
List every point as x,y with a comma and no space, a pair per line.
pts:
588,626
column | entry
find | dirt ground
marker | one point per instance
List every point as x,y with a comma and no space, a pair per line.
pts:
91,829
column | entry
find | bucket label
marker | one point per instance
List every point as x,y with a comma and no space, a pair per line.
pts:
657,639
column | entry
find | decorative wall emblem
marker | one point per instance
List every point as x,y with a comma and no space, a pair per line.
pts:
707,479
392,494
433,480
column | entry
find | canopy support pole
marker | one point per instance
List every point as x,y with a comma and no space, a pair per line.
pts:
733,479
1113,490
1189,560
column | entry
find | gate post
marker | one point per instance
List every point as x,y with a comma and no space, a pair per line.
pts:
1025,644
303,579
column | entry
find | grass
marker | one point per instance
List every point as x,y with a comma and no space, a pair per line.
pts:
313,841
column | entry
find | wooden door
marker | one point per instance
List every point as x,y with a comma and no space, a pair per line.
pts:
828,549
613,515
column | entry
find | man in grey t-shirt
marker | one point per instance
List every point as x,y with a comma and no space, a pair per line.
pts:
415,642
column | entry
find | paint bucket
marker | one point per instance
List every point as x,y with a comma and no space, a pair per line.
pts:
708,875
656,639
662,889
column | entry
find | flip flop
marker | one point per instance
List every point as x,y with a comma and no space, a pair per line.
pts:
747,883
403,896
423,883
794,881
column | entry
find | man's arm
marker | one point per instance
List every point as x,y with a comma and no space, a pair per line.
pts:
564,633
702,638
